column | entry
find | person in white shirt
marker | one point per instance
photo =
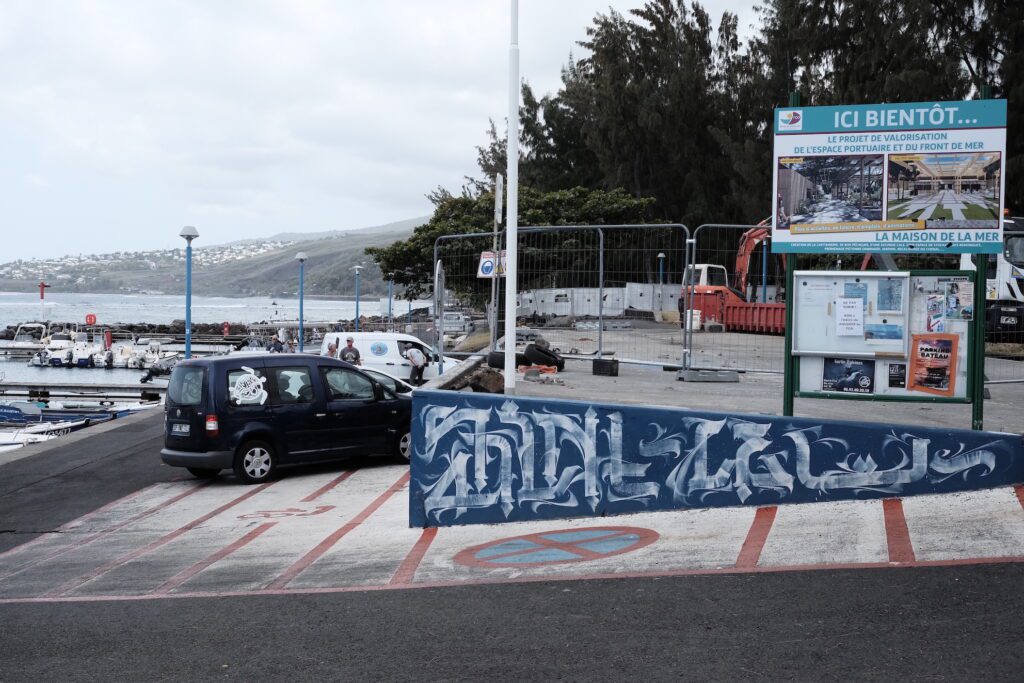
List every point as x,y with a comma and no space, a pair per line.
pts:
419,364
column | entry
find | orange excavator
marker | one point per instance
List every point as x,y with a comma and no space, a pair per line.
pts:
723,304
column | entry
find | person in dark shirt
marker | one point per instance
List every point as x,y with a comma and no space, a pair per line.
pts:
349,354
275,345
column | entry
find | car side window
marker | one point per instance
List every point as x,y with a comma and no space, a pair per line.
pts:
294,385
247,387
344,384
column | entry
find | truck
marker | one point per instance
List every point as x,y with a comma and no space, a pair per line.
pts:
1004,285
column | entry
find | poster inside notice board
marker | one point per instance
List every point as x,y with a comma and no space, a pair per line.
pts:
929,317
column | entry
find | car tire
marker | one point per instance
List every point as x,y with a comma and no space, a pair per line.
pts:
203,472
403,446
255,462
541,356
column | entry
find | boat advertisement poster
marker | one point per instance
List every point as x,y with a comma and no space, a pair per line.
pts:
890,178
933,363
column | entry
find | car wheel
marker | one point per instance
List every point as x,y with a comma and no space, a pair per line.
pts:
403,447
255,462
203,472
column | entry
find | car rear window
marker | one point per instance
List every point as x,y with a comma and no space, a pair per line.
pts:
186,386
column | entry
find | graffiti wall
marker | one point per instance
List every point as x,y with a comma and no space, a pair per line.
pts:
486,458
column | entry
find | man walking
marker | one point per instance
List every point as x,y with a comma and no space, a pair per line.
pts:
349,354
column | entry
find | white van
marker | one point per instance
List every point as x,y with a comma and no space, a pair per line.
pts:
456,323
385,351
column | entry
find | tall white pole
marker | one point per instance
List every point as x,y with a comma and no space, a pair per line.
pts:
512,225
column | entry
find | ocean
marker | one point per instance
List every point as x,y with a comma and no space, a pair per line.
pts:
111,309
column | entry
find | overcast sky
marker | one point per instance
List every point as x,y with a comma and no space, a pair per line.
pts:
121,121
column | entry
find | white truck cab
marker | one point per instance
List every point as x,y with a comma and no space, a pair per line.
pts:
1004,284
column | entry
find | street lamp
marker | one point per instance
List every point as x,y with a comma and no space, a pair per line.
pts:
661,279
189,233
301,258
391,295
357,269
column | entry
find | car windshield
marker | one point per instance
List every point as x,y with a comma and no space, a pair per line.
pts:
1014,251
186,386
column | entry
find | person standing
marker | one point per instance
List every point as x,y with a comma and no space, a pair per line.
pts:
349,354
332,350
419,364
275,345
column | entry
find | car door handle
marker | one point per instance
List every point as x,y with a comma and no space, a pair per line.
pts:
389,364
321,414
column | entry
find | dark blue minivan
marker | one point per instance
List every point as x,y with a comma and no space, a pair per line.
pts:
253,413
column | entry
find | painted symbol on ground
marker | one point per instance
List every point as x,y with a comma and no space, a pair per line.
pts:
557,547
287,512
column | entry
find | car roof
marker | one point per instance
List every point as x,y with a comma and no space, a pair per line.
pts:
269,359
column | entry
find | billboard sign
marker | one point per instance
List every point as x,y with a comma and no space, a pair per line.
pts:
890,178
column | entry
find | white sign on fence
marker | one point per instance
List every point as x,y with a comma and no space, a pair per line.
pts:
490,265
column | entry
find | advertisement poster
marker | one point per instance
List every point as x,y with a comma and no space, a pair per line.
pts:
897,375
936,320
890,296
959,300
892,178
849,318
933,363
848,375
883,331
856,290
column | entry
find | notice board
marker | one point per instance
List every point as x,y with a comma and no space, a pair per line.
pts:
882,333
908,177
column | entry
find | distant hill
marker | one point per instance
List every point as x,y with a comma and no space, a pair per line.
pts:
254,267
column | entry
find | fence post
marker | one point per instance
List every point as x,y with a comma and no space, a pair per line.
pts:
600,293
788,378
978,333
688,261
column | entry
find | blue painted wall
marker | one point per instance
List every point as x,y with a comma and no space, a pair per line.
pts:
486,458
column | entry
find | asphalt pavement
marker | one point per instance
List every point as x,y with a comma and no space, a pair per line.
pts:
949,622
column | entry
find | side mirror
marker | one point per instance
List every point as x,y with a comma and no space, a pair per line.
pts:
378,392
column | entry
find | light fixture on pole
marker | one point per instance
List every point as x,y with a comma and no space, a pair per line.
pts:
661,267
301,258
189,233
357,269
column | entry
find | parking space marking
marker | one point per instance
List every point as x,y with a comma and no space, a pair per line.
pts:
186,574
407,570
750,553
332,532
328,486
897,535
163,540
313,555
76,543
819,533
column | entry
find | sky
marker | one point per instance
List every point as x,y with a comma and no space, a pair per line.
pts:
121,122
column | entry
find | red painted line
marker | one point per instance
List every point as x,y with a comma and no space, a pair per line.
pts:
186,574
328,486
313,555
78,521
526,579
1019,490
163,540
103,532
750,552
896,533
407,570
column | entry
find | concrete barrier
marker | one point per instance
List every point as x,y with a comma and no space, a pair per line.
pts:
484,458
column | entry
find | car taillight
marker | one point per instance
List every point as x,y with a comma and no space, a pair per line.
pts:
212,426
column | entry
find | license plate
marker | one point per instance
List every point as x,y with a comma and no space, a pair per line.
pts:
1007,320
179,429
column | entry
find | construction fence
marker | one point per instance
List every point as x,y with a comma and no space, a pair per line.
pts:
659,295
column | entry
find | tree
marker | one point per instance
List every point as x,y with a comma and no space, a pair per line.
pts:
412,260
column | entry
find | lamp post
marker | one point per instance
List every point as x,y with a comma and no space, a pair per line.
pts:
189,233
357,269
301,258
391,296
661,279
